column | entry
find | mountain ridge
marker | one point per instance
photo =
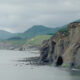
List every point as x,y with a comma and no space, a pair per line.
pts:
32,32
5,34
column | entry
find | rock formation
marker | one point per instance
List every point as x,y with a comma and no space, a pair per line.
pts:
62,48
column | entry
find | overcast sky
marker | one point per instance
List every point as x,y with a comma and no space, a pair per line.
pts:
20,15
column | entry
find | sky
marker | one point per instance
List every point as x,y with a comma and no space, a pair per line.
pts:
20,15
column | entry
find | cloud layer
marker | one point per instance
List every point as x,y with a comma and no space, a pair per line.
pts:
19,15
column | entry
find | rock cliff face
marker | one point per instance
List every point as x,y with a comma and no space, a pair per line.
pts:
62,48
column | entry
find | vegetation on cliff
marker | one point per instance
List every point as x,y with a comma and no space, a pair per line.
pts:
64,31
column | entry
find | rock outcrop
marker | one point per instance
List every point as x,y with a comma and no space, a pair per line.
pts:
62,48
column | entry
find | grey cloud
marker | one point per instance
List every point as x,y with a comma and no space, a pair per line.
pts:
19,15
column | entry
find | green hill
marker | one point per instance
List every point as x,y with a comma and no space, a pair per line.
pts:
33,36
32,32
35,31
39,30
37,40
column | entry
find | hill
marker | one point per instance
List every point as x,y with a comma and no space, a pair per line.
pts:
32,32
35,42
6,35
39,30
33,36
35,31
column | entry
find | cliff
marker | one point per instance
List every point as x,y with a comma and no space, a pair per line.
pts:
63,48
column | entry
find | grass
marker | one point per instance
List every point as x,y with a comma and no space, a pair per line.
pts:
38,39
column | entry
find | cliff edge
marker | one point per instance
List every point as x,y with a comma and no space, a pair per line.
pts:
63,47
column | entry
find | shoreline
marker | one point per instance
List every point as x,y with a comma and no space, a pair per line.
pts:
36,61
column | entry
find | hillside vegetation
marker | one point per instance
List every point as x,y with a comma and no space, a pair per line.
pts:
34,31
64,31
38,39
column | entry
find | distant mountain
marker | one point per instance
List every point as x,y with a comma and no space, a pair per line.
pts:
32,32
6,35
35,35
39,30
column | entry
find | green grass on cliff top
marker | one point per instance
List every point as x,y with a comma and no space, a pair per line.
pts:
38,39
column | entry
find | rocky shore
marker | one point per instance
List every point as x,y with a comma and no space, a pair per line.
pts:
31,60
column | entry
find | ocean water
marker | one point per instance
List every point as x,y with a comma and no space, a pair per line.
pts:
11,69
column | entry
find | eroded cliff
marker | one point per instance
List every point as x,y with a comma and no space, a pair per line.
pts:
63,48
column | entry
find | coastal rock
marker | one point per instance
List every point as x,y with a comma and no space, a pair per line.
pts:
66,47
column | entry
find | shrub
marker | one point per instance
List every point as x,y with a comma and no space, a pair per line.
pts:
64,31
